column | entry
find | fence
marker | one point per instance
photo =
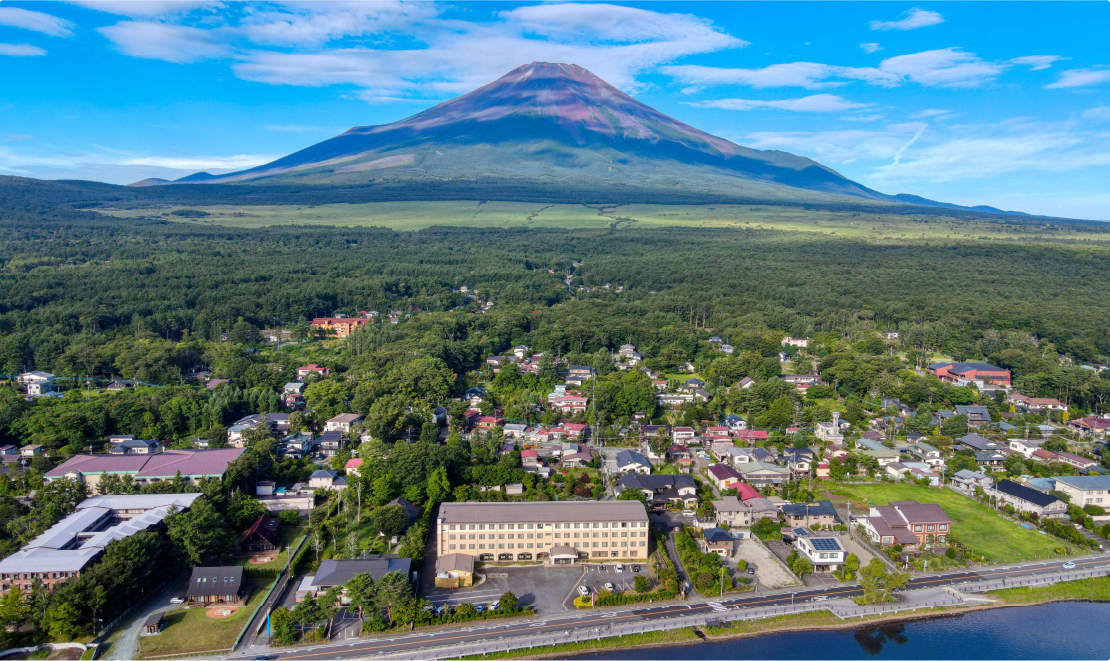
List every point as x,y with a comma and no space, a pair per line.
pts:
283,578
576,635
988,585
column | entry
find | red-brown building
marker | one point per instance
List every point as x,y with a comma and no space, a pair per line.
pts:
985,372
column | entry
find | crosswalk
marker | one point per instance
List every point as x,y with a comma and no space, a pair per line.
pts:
718,606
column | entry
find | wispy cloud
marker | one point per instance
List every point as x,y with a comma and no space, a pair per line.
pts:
449,56
812,103
21,50
1038,62
114,166
1081,78
35,21
871,47
1100,113
945,67
936,113
911,20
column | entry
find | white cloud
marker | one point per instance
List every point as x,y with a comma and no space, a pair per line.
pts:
931,112
913,19
314,24
946,67
812,103
161,41
871,47
120,167
35,21
147,8
1081,78
21,50
1100,113
1037,62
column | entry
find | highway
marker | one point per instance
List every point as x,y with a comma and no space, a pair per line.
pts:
552,623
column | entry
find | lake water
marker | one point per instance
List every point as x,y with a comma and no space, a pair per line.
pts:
1068,630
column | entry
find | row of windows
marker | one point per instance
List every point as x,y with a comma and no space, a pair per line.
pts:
541,526
931,527
45,574
520,545
558,535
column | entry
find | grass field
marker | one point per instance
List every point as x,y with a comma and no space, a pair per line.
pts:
191,630
406,216
974,524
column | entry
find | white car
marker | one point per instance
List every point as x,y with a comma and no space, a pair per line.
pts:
1068,565
620,568
583,590
608,586
177,600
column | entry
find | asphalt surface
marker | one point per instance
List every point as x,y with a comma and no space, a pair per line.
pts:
479,631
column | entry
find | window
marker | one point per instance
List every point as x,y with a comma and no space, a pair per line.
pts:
917,528
930,527
943,527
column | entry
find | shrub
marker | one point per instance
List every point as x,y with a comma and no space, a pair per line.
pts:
643,584
950,553
581,601
704,581
1094,510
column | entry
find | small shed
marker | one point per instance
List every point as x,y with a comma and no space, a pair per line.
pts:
153,624
455,570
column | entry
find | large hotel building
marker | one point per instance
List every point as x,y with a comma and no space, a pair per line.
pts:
558,532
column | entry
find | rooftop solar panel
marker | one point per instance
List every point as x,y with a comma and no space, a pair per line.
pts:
825,544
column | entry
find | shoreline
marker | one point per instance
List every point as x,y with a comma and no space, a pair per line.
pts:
791,623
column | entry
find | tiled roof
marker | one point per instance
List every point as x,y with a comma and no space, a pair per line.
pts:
190,463
543,512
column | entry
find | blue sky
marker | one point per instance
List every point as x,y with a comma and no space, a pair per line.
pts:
1006,104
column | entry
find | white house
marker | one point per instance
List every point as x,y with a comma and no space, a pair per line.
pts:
342,422
825,553
632,462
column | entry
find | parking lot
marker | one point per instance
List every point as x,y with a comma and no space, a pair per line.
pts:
769,572
544,588
596,576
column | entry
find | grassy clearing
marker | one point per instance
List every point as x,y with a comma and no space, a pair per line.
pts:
289,539
1089,589
686,635
406,216
975,524
191,630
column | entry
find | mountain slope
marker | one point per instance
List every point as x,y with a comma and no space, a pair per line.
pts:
553,124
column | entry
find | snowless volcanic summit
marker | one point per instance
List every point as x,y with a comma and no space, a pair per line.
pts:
551,124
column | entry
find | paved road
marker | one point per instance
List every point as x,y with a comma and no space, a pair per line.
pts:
478,632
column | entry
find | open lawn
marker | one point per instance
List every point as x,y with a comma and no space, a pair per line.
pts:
975,524
191,630
405,216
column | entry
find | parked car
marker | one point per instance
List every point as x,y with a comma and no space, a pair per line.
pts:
1068,565
636,568
494,605
481,608
177,600
583,590
608,586
620,568
751,570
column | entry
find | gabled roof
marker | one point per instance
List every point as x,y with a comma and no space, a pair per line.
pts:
1025,493
978,442
820,508
723,472
266,527
338,572
716,535
215,581
628,457
656,482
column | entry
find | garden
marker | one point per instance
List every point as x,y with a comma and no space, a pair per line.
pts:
195,630
706,570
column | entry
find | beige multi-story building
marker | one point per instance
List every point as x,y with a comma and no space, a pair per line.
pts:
1085,489
556,532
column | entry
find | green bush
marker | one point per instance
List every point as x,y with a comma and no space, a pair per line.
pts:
1094,510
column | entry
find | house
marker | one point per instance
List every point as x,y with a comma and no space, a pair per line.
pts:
514,430
676,452
648,432
136,446
342,422
990,458
979,443
569,403
37,383
454,570
216,585
312,368
486,423
914,470
579,458
736,512
336,573
925,453
412,512
327,479
1031,501
330,443
279,422
830,432
693,384
212,384
581,373
263,535
1034,404
751,435
883,456
530,459
1082,463
799,461
575,430
745,383
724,476
765,455
807,515
717,540
1085,489
967,481
144,469
662,491
674,400
907,522
352,467
31,451
800,342
339,326
264,488
1024,447
977,416
968,372
824,553
629,461
1093,426
683,434
801,379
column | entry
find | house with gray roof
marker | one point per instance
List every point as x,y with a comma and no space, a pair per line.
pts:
1025,499
630,461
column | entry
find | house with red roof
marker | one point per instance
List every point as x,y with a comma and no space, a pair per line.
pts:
751,435
966,372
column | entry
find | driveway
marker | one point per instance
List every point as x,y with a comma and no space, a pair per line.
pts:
124,643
